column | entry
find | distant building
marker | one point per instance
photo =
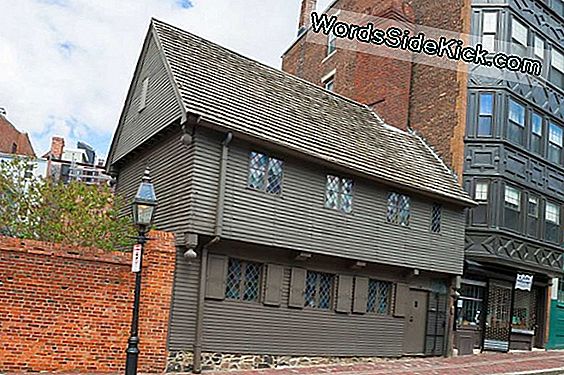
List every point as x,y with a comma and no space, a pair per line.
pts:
36,167
75,164
13,141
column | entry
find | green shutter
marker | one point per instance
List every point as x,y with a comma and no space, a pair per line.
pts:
274,279
216,277
360,295
297,288
344,294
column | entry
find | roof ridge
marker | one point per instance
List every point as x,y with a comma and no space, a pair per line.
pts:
261,64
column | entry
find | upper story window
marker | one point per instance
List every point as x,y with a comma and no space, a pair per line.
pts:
436,217
14,148
512,207
331,43
485,116
552,222
143,96
516,124
536,133
532,216
558,7
265,173
319,290
379,297
481,191
398,209
338,193
329,84
243,280
489,30
554,143
539,47
556,75
519,38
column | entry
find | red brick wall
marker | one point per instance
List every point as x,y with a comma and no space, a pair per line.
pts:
11,136
67,309
363,77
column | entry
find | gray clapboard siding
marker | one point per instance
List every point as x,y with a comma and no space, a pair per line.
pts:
298,220
171,165
162,106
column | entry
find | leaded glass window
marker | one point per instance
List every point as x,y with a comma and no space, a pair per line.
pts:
243,280
265,173
338,193
319,290
398,209
436,214
516,124
379,297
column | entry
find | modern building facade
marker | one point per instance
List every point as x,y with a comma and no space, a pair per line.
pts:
318,230
503,137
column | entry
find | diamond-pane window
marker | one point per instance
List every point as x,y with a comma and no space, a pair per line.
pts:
319,290
379,297
338,193
399,209
265,173
436,214
243,280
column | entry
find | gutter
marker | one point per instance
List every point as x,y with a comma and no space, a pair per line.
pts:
198,336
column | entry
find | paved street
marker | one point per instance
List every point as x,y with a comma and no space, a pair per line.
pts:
482,364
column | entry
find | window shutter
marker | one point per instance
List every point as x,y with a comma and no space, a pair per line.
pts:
216,277
273,291
344,290
360,295
297,288
401,302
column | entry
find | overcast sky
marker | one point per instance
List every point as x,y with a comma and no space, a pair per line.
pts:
65,65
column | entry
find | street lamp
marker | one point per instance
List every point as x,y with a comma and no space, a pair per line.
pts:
144,206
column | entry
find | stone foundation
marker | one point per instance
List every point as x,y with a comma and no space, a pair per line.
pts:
183,361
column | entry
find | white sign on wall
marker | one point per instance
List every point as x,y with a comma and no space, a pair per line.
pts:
524,282
136,261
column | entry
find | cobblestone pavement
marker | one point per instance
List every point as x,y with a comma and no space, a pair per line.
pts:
480,364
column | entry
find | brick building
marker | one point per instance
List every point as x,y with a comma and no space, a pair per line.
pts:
12,140
503,138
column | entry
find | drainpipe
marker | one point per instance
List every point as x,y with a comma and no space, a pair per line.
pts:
197,361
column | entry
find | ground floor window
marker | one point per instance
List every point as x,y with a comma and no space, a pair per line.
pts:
319,290
524,310
470,305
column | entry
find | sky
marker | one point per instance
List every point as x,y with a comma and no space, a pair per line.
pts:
66,65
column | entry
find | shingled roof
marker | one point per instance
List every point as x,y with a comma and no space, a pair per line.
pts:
247,97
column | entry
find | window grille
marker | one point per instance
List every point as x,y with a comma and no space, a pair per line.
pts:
338,193
379,297
481,192
516,123
472,297
398,209
436,216
265,173
243,280
319,290
524,309
485,117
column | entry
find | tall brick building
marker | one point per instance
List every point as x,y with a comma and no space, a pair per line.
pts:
504,140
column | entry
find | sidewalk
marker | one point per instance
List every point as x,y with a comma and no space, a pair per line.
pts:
481,364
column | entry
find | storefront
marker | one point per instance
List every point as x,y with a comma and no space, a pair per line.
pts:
556,335
500,311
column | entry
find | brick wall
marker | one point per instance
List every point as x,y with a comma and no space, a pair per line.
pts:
380,82
67,309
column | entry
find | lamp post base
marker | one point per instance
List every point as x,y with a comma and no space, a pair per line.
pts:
132,356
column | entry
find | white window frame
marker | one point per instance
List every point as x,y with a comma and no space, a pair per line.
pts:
557,60
489,29
539,47
552,213
481,191
512,198
517,30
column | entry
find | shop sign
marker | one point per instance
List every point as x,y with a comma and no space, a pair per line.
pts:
524,282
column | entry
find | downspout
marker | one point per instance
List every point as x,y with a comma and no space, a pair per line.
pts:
197,361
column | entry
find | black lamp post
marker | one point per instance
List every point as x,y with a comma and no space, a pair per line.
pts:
144,206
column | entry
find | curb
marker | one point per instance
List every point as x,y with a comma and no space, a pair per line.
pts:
554,371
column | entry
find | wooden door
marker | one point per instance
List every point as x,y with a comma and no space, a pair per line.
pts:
416,322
